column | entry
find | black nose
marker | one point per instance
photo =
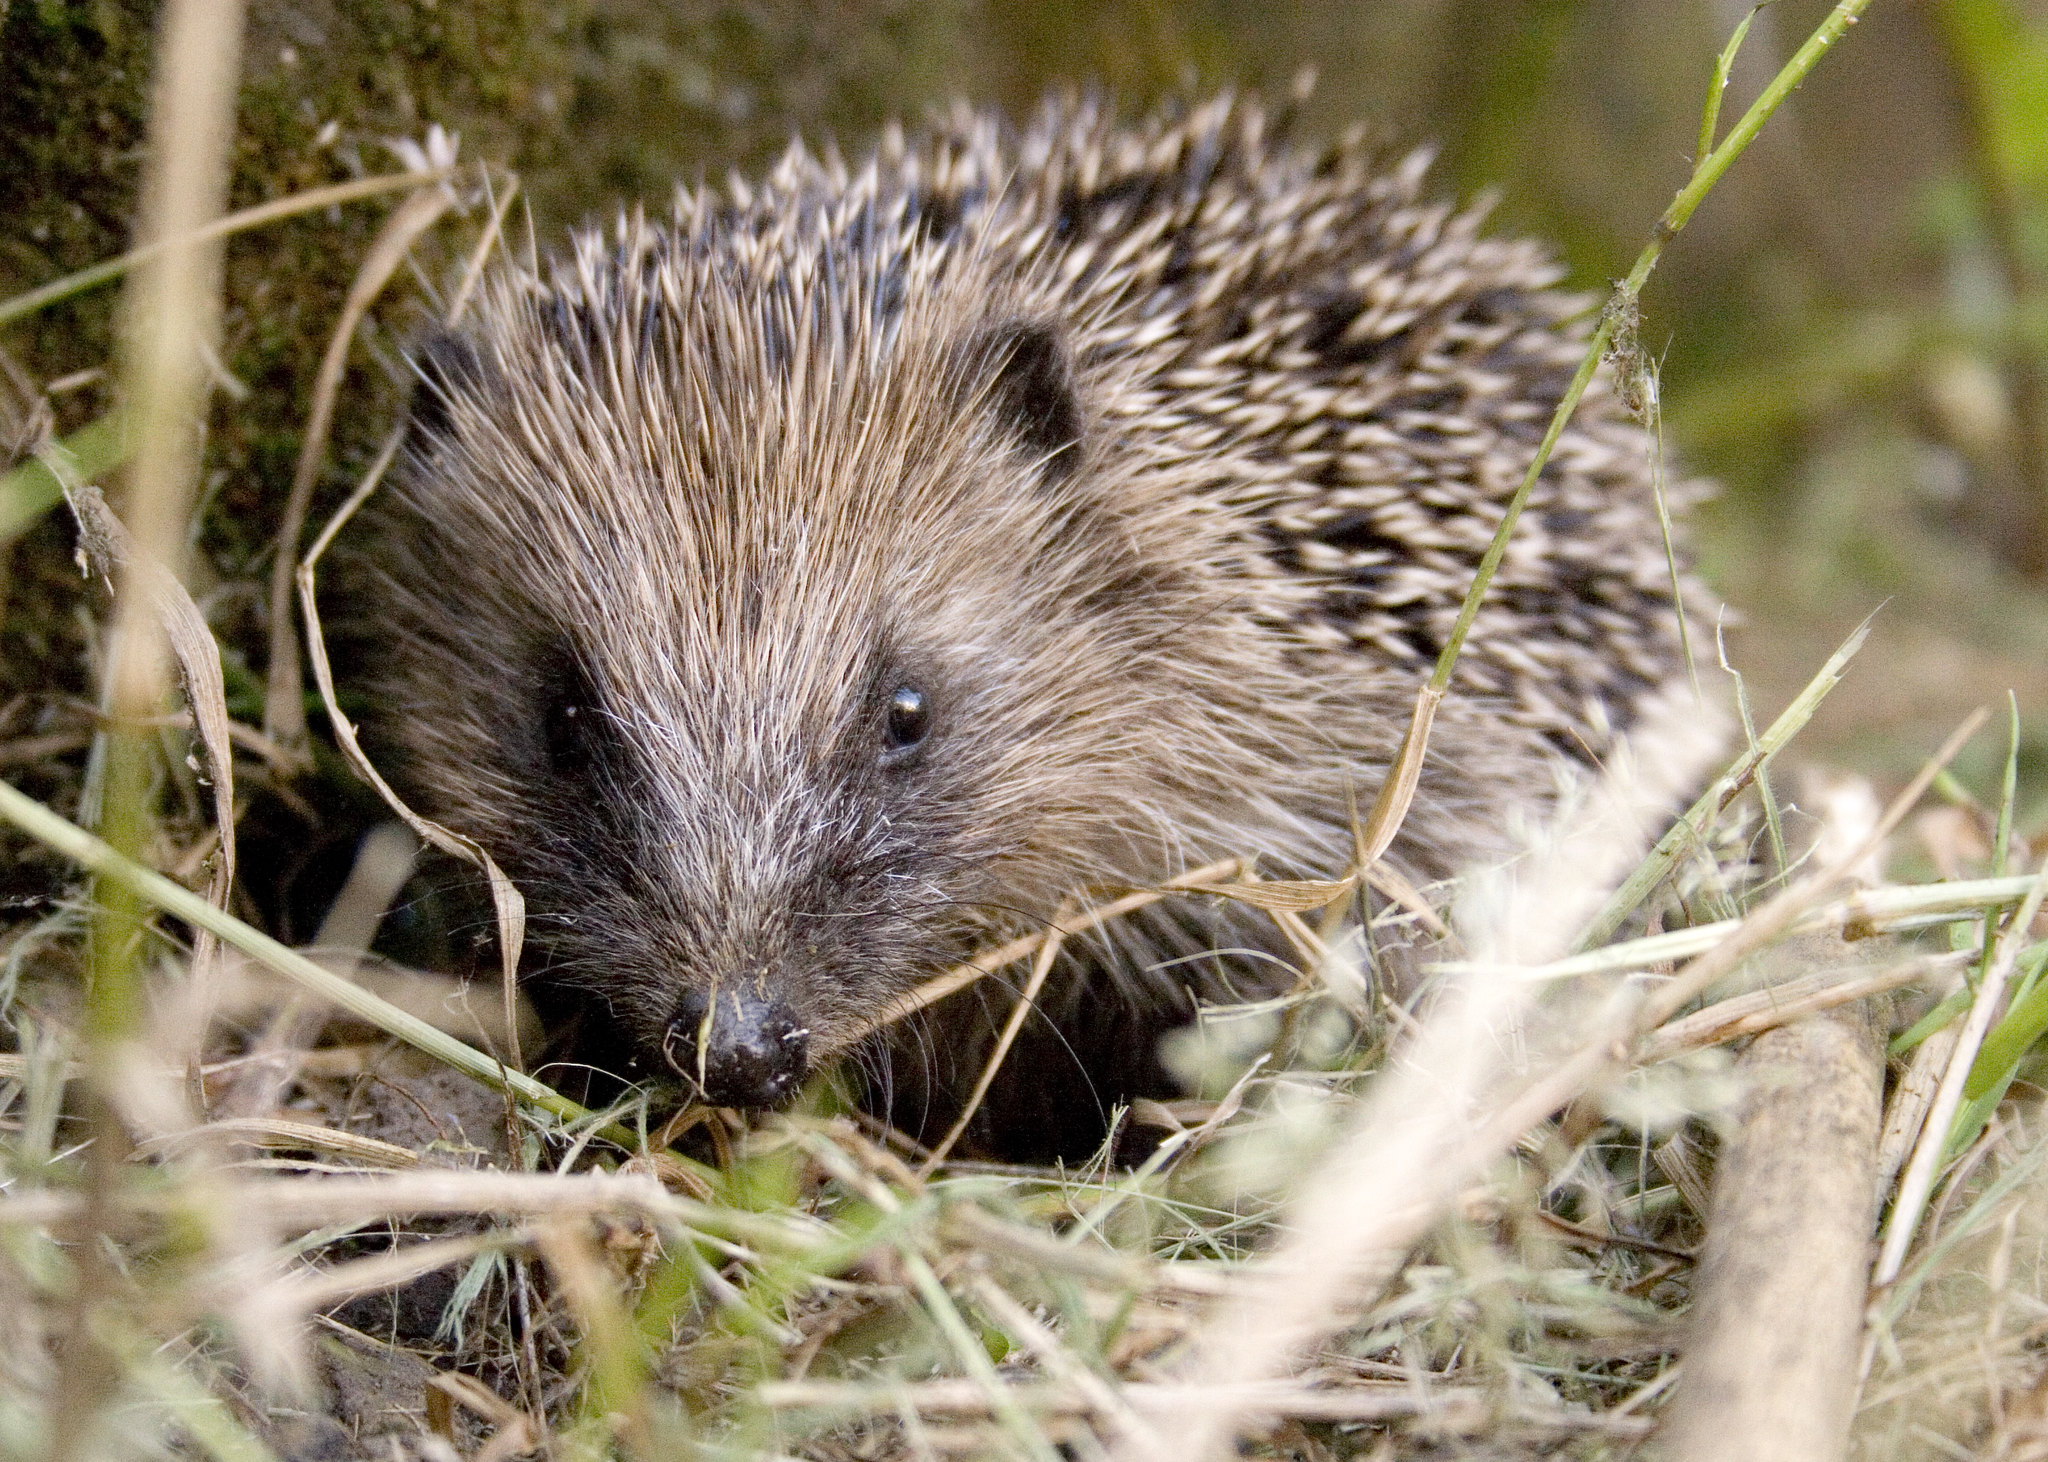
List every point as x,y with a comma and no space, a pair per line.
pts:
738,1048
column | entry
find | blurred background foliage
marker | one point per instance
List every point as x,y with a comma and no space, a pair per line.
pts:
1853,331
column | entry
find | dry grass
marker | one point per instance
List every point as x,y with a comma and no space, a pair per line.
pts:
303,1203
395,1250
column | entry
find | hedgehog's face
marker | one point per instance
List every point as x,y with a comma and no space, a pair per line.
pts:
740,867
776,692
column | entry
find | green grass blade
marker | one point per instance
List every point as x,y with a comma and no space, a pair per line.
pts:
1692,829
97,857
1724,64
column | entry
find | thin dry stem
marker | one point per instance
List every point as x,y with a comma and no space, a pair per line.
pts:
173,320
1027,1001
1911,1100
1918,1181
473,272
311,200
1762,1010
383,863
1429,1125
1023,947
1419,1137
296,1203
506,900
284,712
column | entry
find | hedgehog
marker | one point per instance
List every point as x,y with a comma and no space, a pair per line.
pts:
868,561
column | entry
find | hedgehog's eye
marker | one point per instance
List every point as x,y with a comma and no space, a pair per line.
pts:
569,713
568,734
903,727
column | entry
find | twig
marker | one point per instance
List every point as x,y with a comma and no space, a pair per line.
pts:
279,1132
1769,1371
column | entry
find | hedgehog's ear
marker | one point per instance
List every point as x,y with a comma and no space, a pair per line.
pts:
1025,378
448,366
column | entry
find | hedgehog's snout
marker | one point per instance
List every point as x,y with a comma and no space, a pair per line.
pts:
738,1048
